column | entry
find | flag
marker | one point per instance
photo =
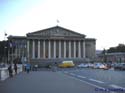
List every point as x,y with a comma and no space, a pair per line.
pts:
10,44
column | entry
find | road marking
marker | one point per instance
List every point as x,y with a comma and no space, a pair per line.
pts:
80,76
72,74
116,86
96,81
96,86
65,72
84,81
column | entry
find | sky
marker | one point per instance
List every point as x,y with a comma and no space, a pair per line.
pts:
103,20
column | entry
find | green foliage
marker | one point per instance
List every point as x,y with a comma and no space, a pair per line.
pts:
119,48
3,49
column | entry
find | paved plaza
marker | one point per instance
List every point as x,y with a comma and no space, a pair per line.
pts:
44,82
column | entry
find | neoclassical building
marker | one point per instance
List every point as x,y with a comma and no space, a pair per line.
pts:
53,44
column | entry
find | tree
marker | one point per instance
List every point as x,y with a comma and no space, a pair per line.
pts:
104,55
119,48
3,50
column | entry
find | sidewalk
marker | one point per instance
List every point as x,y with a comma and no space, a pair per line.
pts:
44,82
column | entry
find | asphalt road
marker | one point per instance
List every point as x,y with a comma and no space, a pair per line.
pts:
45,82
66,81
108,79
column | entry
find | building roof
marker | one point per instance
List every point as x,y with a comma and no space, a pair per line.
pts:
56,30
16,37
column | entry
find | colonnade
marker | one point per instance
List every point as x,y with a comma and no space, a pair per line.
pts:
75,49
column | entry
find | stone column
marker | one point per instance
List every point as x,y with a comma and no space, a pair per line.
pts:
54,49
74,49
79,50
69,49
44,49
16,55
49,50
28,50
64,49
19,50
59,49
38,49
33,50
84,49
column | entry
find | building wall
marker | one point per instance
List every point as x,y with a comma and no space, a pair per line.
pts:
111,57
54,34
90,49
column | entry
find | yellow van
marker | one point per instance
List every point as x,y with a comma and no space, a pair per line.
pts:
66,64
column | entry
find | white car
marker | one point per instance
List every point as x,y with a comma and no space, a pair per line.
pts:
97,65
100,66
82,65
90,65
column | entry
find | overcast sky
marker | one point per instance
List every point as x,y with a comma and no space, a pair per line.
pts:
100,19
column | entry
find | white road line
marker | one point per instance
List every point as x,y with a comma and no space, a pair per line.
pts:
65,72
80,76
72,74
89,83
84,82
96,81
116,86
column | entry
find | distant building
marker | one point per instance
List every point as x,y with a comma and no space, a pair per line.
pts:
111,57
53,45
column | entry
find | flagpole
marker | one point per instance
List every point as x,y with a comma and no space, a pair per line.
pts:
57,22
8,54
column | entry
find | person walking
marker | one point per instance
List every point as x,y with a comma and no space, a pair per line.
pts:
10,71
15,68
28,67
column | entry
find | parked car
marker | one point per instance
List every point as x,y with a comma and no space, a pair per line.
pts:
101,66
119,66
66,64
97,65
90,65
82,65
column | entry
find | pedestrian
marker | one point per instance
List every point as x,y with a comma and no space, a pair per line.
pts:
28,67
36,67
10,71
55,67
15,68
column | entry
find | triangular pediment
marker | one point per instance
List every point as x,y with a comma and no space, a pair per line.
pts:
56,31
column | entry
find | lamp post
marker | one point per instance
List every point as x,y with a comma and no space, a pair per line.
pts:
5,56
105,56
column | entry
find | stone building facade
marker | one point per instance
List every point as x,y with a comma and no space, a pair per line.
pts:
55,44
